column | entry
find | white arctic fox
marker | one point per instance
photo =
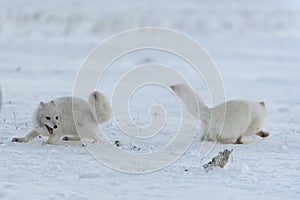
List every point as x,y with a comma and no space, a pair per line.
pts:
55,119
243,118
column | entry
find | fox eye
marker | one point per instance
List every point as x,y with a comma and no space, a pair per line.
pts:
56,117
48,118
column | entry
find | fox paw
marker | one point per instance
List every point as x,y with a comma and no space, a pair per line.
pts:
263,134
18,140
66,138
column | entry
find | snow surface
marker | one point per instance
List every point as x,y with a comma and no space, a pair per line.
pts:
255,45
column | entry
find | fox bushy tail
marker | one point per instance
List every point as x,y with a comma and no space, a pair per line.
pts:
192,101
100,106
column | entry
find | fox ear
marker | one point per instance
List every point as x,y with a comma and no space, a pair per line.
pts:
53,103
42,104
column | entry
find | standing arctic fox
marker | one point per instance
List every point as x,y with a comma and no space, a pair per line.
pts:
55,119
242,118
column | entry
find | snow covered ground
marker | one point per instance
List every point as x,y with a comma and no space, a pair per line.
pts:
255,45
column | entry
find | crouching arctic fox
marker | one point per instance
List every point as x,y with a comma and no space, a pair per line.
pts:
242,118
55,119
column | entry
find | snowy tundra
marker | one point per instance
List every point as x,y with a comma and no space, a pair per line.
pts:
255,45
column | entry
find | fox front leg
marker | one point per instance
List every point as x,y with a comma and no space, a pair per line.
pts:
30,136
71,138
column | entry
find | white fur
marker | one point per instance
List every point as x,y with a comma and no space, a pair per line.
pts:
242,118
89,114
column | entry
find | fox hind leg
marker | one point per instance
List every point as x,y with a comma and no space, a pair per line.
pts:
239,140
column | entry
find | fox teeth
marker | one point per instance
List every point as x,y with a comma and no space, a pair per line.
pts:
50,130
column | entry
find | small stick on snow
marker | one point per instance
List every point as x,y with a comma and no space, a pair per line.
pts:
15,120
220,160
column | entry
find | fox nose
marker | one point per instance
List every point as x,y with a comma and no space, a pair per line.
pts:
55,126
172,87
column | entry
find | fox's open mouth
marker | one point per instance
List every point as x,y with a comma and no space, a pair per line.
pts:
50,130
